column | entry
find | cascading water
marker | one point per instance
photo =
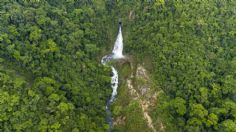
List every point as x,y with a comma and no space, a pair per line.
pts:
117,53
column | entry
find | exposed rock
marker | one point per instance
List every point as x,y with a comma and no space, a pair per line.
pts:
142,73
143,93
131,15
119,120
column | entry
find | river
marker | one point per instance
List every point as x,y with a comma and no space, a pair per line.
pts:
117,53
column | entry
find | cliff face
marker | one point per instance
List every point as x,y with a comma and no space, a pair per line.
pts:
140,89
139,92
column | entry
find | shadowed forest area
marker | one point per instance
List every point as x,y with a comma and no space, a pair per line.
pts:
51,78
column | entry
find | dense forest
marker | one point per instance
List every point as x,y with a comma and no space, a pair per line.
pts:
51,78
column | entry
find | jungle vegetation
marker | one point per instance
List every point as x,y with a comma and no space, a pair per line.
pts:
51,78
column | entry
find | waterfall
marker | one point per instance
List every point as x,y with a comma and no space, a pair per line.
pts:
117,53
118,47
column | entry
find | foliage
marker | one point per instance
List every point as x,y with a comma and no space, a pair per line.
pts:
57,43
191,46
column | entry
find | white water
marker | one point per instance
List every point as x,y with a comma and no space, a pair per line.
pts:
114,84
117,53
118,47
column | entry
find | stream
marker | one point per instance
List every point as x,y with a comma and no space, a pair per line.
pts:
117,53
